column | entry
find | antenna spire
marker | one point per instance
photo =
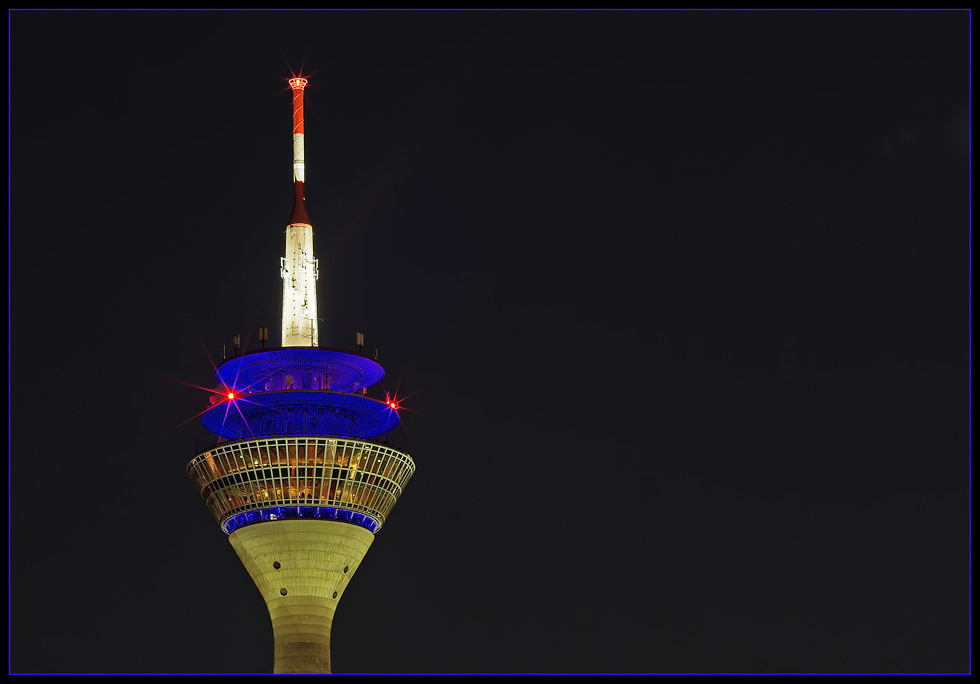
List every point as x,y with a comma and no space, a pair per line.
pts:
299,214
299,268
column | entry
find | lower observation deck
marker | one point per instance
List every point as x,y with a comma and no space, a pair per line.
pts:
272,478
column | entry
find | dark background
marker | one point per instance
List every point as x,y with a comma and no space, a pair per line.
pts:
680,299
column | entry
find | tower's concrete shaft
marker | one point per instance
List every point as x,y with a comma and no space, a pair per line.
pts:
301,568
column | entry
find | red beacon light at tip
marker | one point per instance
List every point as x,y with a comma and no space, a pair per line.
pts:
298,82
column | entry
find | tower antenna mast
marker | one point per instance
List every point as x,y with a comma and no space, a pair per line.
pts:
299,268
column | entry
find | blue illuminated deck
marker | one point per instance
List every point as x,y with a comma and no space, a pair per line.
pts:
261,515
299,368
300,412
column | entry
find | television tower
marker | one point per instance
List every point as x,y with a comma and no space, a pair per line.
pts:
299,487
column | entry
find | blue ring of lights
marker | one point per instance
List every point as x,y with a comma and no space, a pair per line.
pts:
347,372
301,412
261,515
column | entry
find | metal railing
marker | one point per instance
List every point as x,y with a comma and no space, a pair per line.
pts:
356,475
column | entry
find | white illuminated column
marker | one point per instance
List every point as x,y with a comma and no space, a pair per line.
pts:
299,268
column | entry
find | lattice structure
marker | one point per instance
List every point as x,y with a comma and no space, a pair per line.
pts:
247,482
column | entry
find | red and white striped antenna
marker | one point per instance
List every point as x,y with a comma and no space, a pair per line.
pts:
299,268
299,214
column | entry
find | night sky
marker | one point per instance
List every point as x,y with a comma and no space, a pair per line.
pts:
678,304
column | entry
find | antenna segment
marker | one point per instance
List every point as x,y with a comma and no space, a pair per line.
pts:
299,268
297,84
